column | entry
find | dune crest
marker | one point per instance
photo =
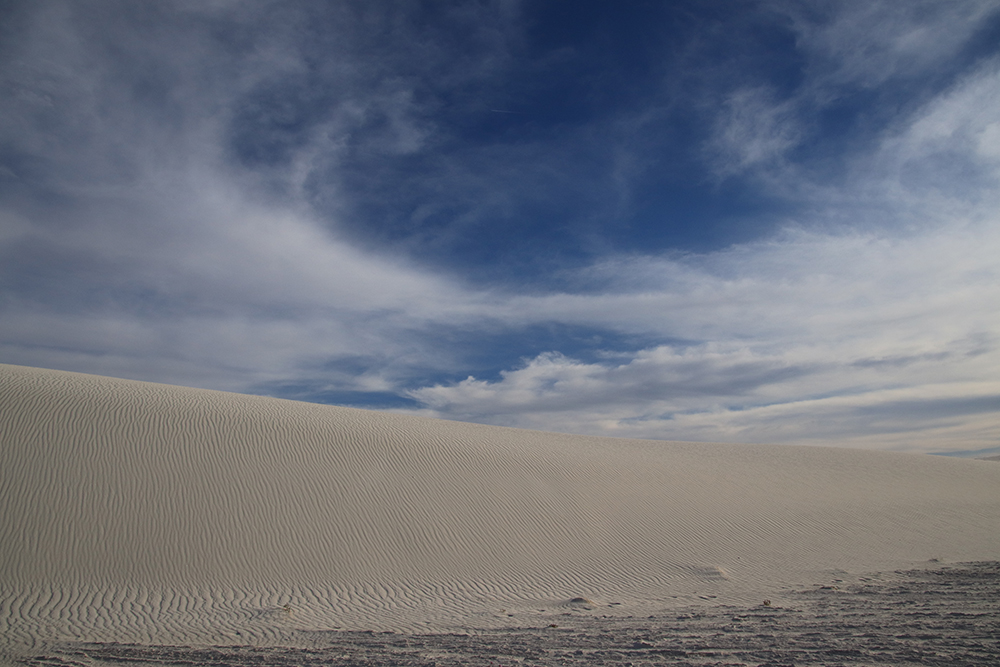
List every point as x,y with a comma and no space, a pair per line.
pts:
140,512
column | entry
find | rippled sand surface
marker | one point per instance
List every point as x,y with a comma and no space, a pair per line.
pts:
158,515
947,616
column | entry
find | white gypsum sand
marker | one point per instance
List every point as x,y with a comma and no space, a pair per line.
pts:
139,512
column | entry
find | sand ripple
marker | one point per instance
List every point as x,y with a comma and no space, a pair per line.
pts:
136,512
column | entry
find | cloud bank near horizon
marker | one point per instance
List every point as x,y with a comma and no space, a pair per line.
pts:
773,223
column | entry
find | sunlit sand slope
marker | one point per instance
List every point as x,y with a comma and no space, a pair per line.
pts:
140,512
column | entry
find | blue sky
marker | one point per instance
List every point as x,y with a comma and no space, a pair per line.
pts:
715,221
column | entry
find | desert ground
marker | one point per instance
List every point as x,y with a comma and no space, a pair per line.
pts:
152,524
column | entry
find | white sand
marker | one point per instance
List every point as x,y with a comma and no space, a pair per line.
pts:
140,512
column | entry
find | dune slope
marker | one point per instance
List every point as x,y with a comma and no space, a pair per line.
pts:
140,512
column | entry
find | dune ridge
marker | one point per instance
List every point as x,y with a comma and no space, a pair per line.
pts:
148,513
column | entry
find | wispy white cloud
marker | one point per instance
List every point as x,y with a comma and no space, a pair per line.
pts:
873,65
150,228
868,43
883,334
752,129
818,339
133,245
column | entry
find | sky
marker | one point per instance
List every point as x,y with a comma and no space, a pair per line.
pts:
771,221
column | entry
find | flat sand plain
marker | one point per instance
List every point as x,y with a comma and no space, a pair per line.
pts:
148,515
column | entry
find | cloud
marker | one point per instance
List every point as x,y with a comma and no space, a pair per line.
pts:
868,43
228,291
947,152
858,69
877,333
134,245
814,339
754,128
268,197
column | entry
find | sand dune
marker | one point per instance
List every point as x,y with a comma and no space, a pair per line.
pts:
139,512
